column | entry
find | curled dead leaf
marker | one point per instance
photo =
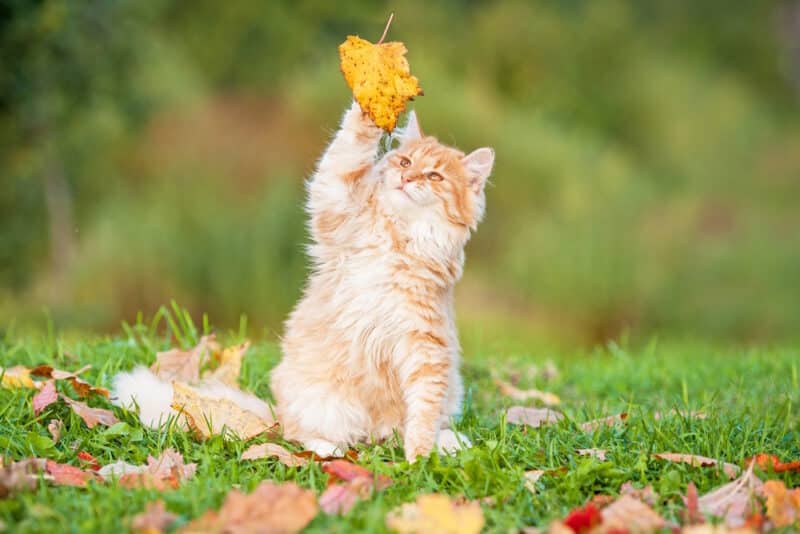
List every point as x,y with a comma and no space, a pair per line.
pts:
770,462
153,519
611,420
533,417
166,472
18,376
68,475
735,501
91,416
275,508
436,513
184,365
230,364
273,450
731,470
55,427
210,416
45,397
509,390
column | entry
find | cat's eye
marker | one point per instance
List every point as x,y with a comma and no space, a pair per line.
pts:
435,176
404,161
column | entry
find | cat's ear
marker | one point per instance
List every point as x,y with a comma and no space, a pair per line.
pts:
411,131
479,165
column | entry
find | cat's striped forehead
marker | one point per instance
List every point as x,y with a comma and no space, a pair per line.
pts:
430,153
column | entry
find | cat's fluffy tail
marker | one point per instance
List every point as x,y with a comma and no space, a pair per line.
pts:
142,388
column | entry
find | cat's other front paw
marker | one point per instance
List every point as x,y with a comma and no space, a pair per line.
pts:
449,441
323,448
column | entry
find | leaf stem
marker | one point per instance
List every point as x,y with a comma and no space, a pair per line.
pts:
386,29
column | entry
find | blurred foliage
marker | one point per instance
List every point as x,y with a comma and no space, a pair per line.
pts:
648,156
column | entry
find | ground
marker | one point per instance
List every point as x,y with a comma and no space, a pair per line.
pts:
750,395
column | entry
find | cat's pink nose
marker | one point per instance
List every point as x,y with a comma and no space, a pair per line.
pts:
408,178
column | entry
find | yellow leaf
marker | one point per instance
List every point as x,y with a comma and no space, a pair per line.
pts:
436,513
230,364
211,416
379,77
17,377
783,505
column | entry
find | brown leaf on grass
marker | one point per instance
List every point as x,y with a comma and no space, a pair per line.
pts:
68,475
783,505
18,376
600,454
693,414
210,416
358,483
509,390
84,389
166,472
533,417
153,520
436,513
54,427
91,416
632,515
20,476
645,494
271,508
731,470
48,371
45,397
184,365
735,501
273,450
611,420
716,529
770,462
230,364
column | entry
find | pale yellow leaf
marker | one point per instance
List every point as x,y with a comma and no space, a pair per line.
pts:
436,513
509,390
18,376
273,450
731,470
230,364
533,417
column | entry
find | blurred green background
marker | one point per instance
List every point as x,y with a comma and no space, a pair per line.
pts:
647,177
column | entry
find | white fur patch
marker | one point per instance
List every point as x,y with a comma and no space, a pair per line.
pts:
449,442
143,388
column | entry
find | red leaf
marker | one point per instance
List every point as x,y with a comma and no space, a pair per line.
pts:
68,475
340,498
91,416
584,519
94,465
344,470
46,396
769,462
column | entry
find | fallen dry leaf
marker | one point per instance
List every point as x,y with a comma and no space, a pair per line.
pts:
436,513
230,364
166,472
509,390
632,515
645,494
273,450
770,462
783,505
584,519
81,387
531,477
271,508
734,502
20,476
691,514
68,475
45,397
154,519
533,417
715,529
118,469
379,76
211,416
611,420
731,470
600,454
693,414
184,365
91,416
18,376
54,427
359,483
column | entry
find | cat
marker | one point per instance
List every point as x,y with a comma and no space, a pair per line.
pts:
372,348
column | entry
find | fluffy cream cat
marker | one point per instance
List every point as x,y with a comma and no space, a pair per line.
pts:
372,345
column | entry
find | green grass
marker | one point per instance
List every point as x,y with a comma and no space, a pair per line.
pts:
750,396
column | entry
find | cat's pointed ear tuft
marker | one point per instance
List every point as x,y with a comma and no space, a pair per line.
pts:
412,130
479,165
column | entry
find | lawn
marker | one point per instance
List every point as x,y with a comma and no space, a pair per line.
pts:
750,397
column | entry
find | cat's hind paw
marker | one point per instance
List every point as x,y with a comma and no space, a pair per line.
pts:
449,441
